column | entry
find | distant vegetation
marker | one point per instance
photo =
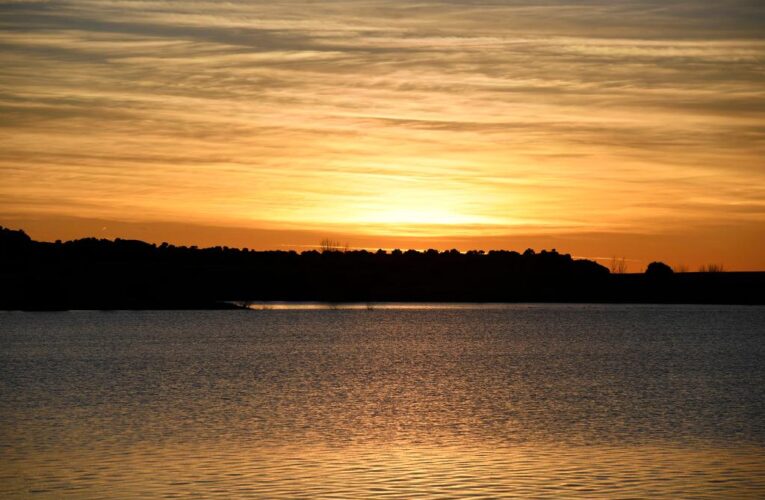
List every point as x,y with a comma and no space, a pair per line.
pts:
328,245
680,268
659,270
618,266
712,268
105,274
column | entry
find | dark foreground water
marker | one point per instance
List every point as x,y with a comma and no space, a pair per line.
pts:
429,401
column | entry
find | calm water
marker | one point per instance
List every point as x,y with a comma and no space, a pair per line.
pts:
433,402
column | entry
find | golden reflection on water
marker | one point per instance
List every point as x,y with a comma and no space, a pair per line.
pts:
370,306
389,471
475,401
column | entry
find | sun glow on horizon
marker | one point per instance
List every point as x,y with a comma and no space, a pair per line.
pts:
444,120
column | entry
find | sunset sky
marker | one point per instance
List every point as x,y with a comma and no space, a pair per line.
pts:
630,128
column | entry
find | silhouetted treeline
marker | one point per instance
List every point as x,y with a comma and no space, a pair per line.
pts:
95,273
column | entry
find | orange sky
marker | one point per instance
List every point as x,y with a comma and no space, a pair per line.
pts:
632,128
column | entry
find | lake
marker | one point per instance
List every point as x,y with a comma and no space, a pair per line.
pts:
393,401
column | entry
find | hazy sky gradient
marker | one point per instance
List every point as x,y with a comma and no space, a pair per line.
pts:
385,121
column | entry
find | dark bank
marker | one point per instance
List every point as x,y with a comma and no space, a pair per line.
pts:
128,274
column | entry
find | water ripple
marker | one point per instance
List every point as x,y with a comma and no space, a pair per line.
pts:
438,402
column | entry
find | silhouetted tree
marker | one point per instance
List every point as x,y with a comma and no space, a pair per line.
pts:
658,270
103,274
329,245
618,266
711,268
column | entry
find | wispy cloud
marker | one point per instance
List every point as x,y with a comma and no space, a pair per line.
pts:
441,117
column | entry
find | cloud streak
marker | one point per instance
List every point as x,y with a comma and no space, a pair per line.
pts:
454,117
